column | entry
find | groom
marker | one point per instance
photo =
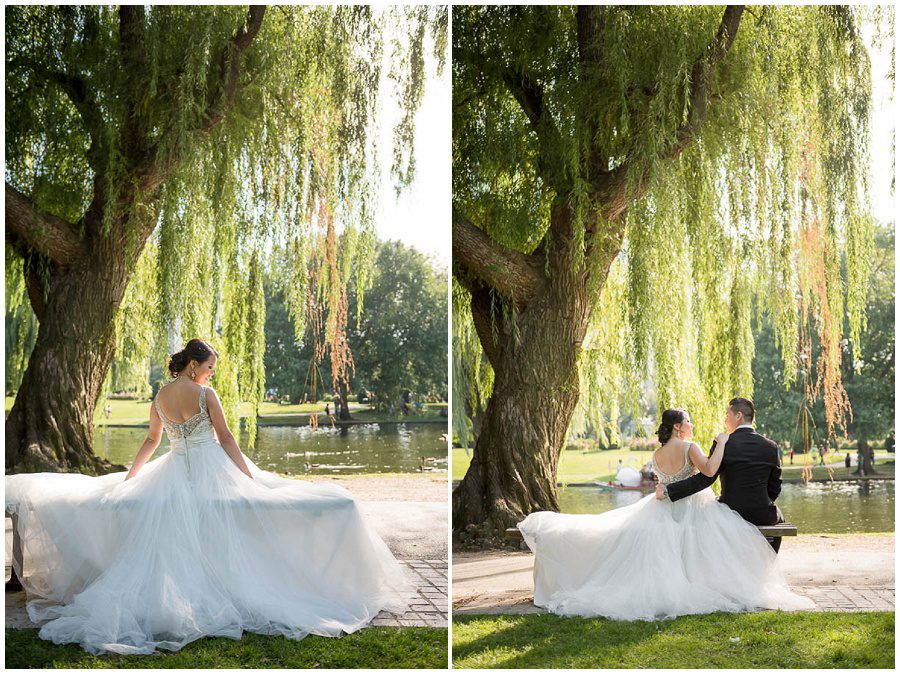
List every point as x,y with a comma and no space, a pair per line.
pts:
750,472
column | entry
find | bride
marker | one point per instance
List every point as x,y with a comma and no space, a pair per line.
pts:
198,542
657,559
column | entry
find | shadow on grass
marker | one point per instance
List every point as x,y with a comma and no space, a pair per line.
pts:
377,647
721,640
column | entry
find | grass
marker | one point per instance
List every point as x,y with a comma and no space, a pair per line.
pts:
772,640
574,465
884,464
580,466
375,647
137,413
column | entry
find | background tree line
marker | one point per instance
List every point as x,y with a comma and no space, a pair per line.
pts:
399,342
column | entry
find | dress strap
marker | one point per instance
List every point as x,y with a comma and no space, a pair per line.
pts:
203,399
159,409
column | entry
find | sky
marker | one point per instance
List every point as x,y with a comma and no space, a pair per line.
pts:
882,130
421,216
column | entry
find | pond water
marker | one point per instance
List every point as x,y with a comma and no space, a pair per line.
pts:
298,450
858,506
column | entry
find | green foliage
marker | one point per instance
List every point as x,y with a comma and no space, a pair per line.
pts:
473,378
400,342
780,394
870,369
288,362
293,159
763,203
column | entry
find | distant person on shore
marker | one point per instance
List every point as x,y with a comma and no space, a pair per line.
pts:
108,410
847,463
792,455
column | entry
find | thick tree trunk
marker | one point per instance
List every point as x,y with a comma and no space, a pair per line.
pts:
536,387
50,426
344,405
868,457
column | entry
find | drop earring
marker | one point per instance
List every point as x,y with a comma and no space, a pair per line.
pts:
193,374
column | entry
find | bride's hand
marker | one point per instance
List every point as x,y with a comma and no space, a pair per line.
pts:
722,438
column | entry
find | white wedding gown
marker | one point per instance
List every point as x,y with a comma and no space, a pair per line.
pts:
655,559
192,547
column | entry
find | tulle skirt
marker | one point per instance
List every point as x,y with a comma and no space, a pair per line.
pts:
653,560
192,547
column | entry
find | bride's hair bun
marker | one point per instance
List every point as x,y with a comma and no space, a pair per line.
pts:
667,425
196,349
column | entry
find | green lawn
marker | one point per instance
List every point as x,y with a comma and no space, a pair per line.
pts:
580,466
722,640
137,413
376,647
574,465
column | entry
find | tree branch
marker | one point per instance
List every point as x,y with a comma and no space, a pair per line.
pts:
133,58
590,22
612,193
528,94
75,88
155,169
40,231
512,274
229,66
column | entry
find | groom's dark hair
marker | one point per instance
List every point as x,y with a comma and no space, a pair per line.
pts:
743,406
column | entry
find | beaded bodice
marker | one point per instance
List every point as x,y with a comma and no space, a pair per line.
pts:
685,472
197,424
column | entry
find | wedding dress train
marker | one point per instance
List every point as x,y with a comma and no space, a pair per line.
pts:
655,559
192,547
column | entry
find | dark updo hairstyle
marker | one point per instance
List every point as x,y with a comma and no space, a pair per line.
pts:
196,349
667,425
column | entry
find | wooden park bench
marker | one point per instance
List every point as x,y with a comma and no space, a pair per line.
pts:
769,531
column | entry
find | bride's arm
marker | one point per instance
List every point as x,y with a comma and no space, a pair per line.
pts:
709,465
151,442
226,439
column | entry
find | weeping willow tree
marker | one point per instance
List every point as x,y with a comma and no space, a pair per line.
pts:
157,157
625,180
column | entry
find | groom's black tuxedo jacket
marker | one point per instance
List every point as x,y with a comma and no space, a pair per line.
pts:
750,475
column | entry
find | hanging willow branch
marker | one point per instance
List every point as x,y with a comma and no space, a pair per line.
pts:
213,145
679,149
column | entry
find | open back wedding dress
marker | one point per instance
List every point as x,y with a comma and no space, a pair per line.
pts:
655,559
192,547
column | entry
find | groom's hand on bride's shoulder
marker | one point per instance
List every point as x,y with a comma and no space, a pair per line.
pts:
661,492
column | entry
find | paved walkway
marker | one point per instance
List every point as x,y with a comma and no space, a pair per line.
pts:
839,573
428,607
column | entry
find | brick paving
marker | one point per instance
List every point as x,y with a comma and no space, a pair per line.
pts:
837,598
847,598
428,606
